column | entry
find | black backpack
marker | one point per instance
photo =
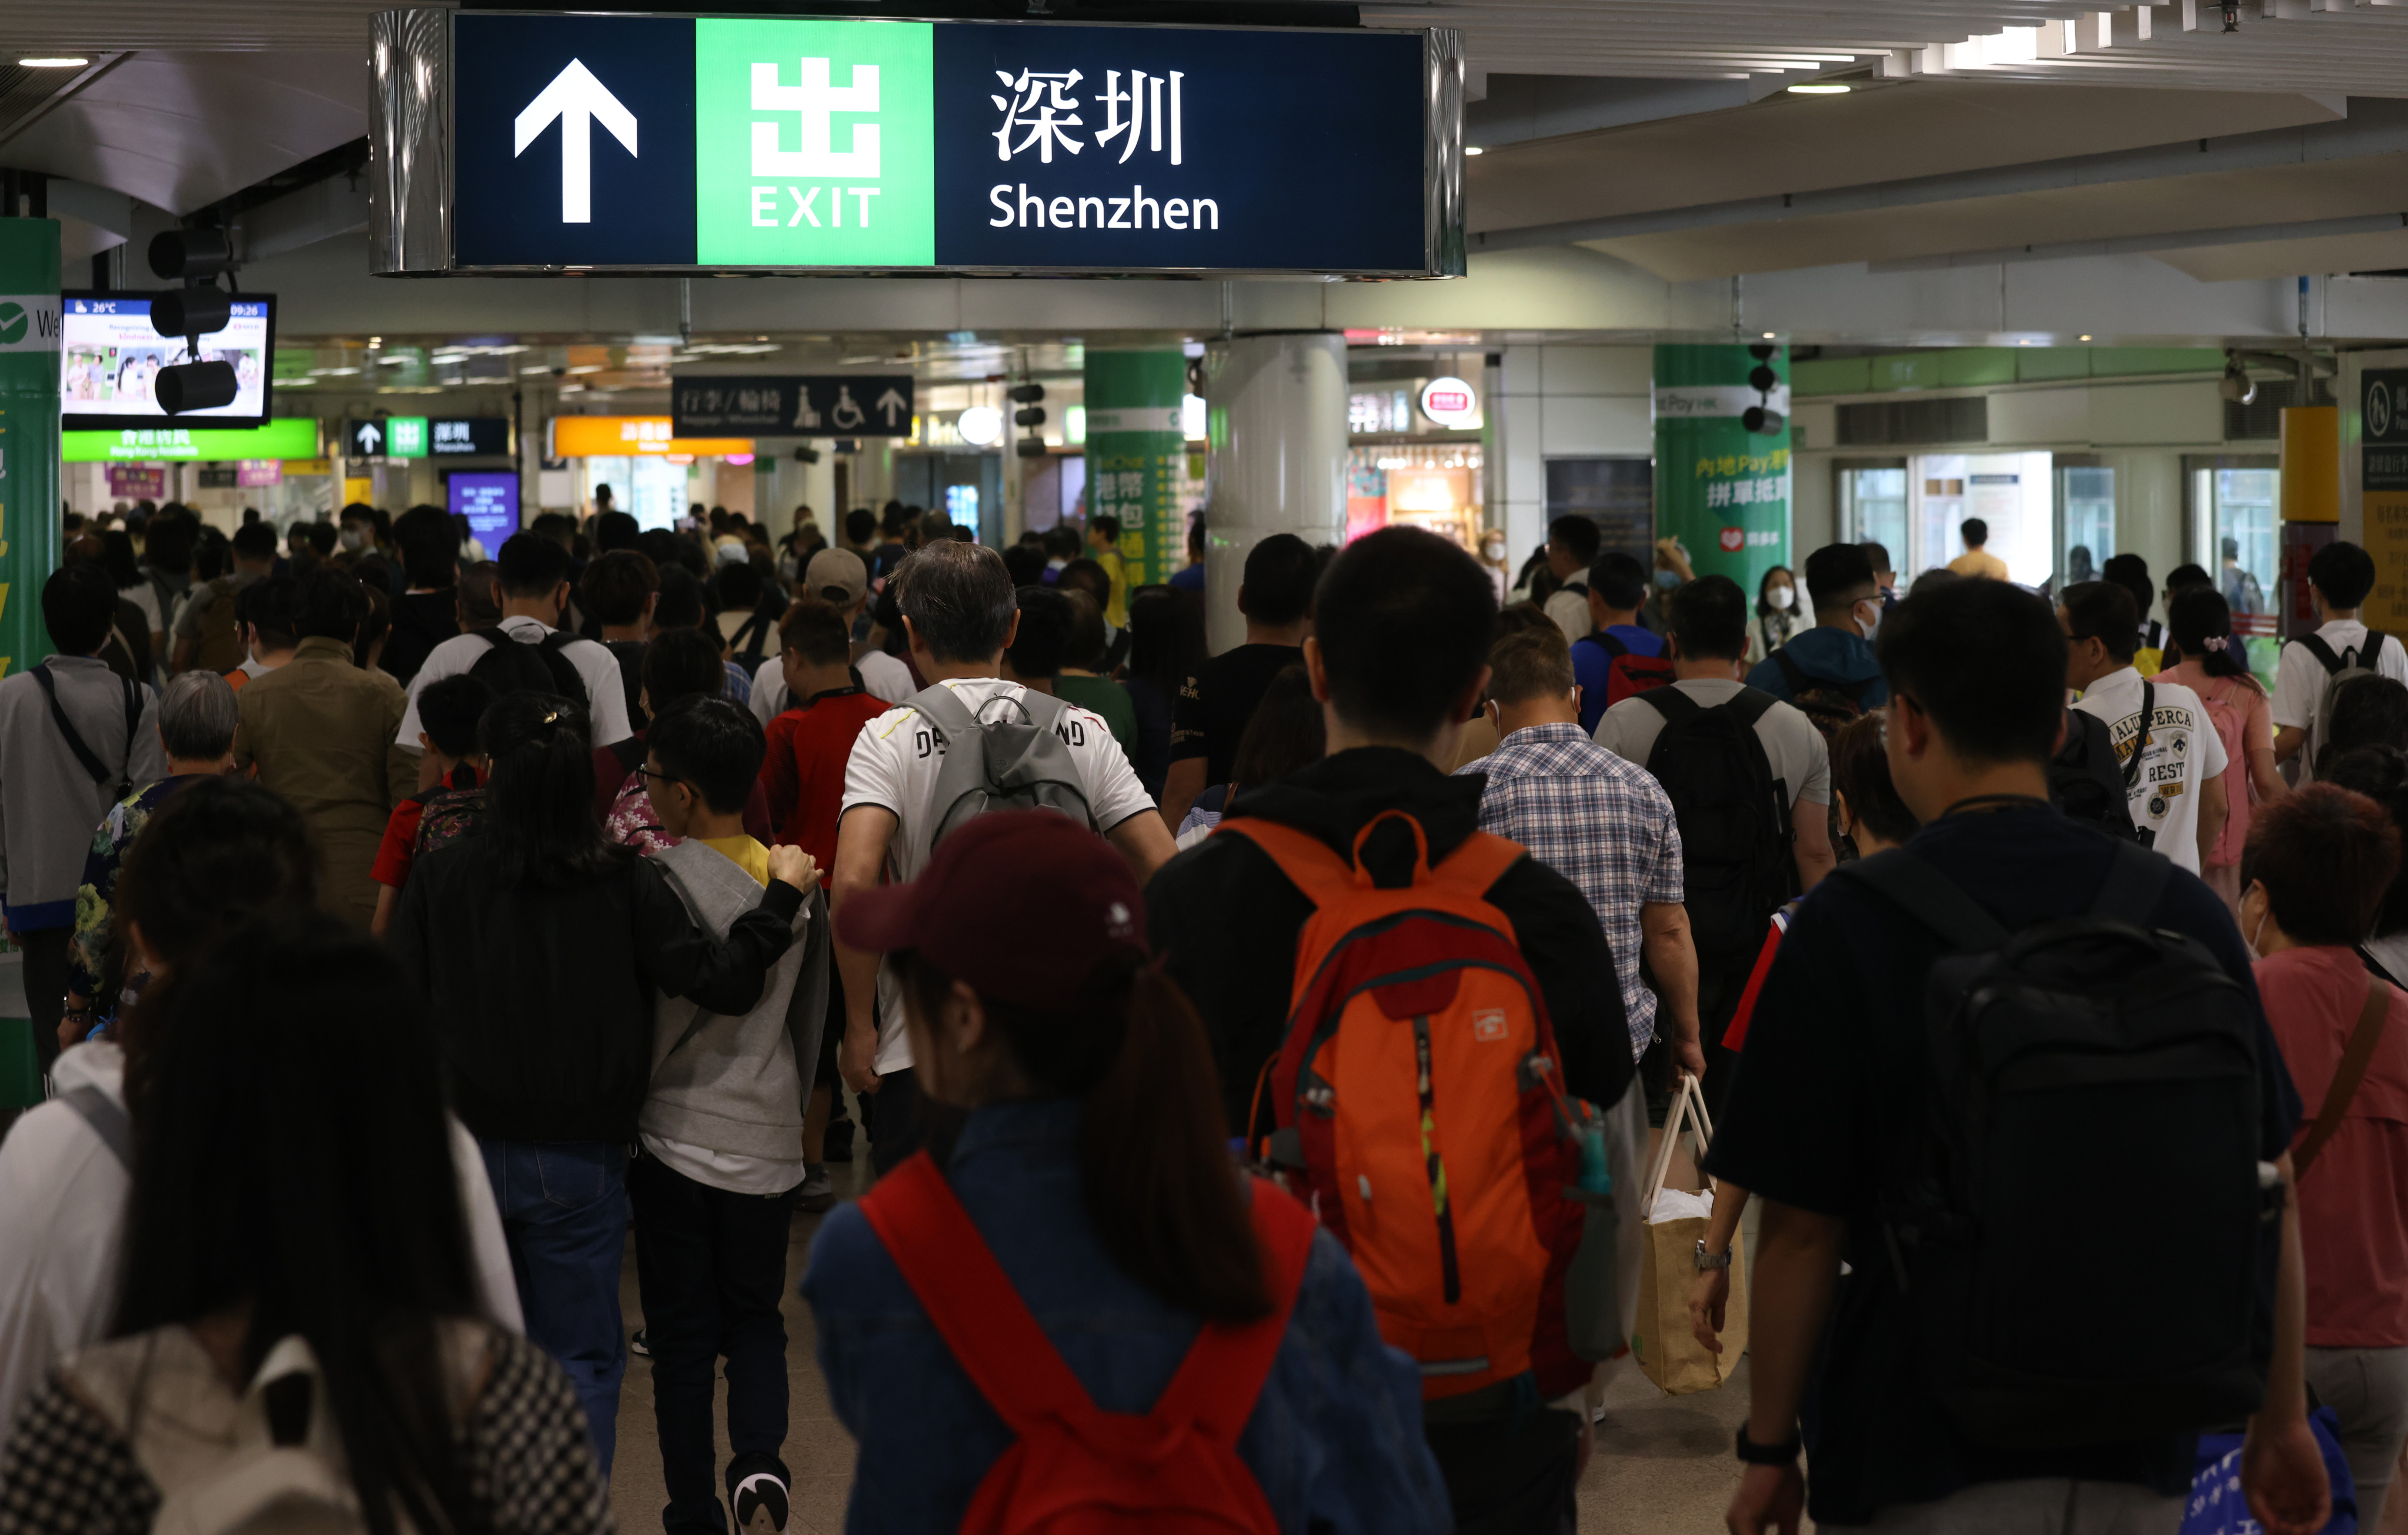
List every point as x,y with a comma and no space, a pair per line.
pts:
2084,780
509,666
630,655
2081,1046
1734,817
749,643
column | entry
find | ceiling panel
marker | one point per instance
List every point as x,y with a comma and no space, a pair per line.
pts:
182,129
1787,144
2173,205
2382,252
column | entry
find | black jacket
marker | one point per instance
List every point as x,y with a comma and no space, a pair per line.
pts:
543,999
1227,920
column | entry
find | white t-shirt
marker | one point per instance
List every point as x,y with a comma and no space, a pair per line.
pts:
2300,682
1570,610
894,763
887,677
606,692
1793,747
2181,752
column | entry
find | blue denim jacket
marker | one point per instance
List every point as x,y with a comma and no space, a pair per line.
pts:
1336,1437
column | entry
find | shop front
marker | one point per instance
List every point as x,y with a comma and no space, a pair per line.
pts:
1415,438
652,475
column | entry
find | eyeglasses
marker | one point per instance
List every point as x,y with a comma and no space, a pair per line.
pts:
665,777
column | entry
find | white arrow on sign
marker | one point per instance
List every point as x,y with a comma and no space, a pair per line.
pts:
368,437
577,98
890,403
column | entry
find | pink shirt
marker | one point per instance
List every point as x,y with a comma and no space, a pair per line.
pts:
2225,697
2353,1201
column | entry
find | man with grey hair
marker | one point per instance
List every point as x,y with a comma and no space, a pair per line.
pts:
197,718
480,595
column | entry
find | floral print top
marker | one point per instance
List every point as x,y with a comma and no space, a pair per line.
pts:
96,929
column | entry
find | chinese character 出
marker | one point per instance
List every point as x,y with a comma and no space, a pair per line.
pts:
1032,112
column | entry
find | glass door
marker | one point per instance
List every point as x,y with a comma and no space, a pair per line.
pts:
2087,499
2008,493
2244,549
1873,508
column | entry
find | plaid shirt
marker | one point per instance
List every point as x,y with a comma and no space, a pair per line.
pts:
1600,821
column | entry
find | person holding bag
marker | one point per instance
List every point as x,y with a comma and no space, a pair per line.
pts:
1071,1301
2317,866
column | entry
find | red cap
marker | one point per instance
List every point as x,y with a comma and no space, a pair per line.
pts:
1022,905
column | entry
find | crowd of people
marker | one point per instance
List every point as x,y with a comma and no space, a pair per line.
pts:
1251,1052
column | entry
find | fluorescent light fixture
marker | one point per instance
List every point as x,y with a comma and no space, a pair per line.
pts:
66,62
1768,336
2085,338
1473,148
1823,89
980,426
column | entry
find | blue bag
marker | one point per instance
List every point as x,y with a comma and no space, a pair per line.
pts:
2217,1504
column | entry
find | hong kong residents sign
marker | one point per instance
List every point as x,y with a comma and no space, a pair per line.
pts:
565,143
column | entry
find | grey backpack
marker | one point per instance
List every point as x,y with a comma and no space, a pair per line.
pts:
2341,671
1011,755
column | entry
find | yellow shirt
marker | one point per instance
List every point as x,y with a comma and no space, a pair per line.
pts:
1115,611
2149,661
744,853
1979,562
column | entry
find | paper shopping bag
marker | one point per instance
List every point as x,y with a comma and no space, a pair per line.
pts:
1668,1351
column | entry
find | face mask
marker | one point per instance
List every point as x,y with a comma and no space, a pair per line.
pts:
1868,630
353,539
1780,597
1668,579
2259,929
1495,551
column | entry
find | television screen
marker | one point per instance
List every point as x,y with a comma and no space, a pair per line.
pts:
110,360
489,501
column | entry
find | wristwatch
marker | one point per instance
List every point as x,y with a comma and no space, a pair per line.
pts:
1754,1454
1712,1260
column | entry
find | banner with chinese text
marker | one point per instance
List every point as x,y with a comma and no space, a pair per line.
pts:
1137,457
1721,489
29,433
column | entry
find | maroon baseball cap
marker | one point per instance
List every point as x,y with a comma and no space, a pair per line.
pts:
1022,905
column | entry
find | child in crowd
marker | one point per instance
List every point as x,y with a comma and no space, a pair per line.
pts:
449,710
721,1133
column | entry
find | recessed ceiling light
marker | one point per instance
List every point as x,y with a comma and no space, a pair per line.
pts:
2085,338
2026,341
1768,336
1823,89
1473,148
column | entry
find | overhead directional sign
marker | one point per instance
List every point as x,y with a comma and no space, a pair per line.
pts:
850,405
601,142
420,436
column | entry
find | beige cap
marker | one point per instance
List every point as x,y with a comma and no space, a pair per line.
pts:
837,576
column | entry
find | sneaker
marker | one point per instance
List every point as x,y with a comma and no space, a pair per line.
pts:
640,1345
759,1500
817,1196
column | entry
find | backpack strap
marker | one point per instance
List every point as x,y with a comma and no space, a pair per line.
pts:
1479,862
2134,881
1931,898
1614,648
1749,705
1673,704
2315,646
108,1120
970,1300
2140,741
85,756
2354,1058
1222,1377
1311,864
2371,652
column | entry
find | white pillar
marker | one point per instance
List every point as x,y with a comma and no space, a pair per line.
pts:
1277,409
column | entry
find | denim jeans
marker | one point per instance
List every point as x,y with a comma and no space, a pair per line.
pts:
564,1206
712,1269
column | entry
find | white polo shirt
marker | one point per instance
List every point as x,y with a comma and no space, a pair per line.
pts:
2300,681
2179,752
606,694
894,765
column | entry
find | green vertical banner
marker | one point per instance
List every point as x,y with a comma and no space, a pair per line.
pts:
29,433
1137,456
1720,488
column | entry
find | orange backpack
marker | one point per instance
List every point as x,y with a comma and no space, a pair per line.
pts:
1419,1097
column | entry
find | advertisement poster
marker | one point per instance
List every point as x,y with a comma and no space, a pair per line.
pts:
1137,456
1720,488
2383,463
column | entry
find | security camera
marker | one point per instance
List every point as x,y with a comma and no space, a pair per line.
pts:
2236,385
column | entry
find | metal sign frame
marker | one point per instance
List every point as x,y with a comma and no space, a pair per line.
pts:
414,140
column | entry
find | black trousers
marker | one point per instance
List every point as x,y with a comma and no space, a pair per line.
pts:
1511,1474
712,1267
46,986
897,1115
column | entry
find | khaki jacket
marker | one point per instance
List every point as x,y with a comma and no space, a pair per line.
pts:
320,731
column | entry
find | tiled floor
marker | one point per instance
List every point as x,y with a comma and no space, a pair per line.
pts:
1663,1465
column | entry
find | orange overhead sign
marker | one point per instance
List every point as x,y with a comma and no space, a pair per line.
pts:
613,437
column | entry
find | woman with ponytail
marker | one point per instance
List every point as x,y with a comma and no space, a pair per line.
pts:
544,948
1083,1181
2216,666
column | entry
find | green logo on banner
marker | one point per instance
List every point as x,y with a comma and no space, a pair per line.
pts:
815,143
12,323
